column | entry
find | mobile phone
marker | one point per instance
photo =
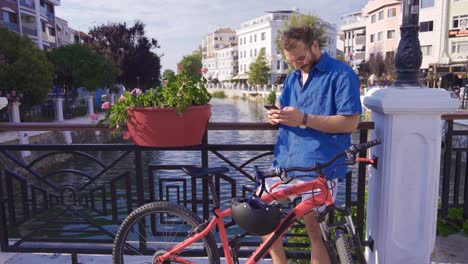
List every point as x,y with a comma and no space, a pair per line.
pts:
269,107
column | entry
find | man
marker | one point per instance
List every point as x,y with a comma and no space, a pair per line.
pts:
318,109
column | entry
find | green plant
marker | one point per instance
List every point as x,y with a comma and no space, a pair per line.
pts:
179,91
271,97
453,223
219,94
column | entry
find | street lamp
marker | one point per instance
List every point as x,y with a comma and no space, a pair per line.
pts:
409,56
79,30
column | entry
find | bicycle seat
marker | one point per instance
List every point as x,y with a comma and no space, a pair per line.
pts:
198,172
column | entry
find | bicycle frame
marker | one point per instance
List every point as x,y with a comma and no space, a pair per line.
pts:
324,197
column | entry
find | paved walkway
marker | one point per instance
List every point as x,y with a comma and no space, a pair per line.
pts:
449,250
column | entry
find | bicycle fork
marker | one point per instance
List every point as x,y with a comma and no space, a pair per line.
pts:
325,229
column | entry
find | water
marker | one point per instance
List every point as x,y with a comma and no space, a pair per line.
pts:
224,110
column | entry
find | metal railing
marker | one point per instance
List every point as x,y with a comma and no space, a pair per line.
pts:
28,3
10,25
454,181
39,213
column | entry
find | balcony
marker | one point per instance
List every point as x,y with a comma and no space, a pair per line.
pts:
28,3
30,31
54,2
10,25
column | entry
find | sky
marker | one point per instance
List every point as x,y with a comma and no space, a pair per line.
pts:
180,25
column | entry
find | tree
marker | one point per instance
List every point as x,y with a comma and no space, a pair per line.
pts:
130,50
311,21
364,70
24,68
376,65
77,65
167,74
340,57
390,68
191,64
259,69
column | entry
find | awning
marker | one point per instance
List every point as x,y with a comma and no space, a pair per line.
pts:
243,76
359,31
8,10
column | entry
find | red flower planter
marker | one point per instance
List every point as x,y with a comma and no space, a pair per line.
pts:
163,127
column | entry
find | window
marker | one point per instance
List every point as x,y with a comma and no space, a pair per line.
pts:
285,65
426,50
372,36
250,38
391,12
380,36
381,15
460,21
460,46
240,41
427,3
250,53
9,17
390,34
278,65
255,38
255,53
373,18
263,36
426,26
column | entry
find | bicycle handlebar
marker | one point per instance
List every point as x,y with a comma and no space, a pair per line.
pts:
350,153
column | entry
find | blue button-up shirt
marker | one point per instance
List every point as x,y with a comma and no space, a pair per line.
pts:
332,88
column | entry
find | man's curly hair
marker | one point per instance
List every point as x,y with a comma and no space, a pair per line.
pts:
290,37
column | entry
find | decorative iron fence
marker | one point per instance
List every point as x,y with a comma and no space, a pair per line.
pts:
454,181
49,203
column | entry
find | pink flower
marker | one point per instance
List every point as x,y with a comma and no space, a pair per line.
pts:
204,70
136,91
126,135
93,117
121,97
106,105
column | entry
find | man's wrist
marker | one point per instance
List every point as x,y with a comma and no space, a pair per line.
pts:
303,124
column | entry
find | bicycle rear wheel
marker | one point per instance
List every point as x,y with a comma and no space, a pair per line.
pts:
152,229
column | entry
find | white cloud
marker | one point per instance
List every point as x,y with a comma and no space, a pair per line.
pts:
180,25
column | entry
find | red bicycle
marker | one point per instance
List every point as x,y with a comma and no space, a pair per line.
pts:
165,232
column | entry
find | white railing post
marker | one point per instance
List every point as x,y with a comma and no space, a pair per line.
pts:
22,136
90,102
403,190
59,118
112,98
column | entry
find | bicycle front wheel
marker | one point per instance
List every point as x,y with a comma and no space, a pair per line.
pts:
154,228
343,248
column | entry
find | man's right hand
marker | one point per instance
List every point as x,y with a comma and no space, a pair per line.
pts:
272,116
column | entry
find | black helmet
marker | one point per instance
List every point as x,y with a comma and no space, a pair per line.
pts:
255,216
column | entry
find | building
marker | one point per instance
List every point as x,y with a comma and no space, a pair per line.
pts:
452,69
32,18
222,38
226,63
383,19
261,32
353,36
64,33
